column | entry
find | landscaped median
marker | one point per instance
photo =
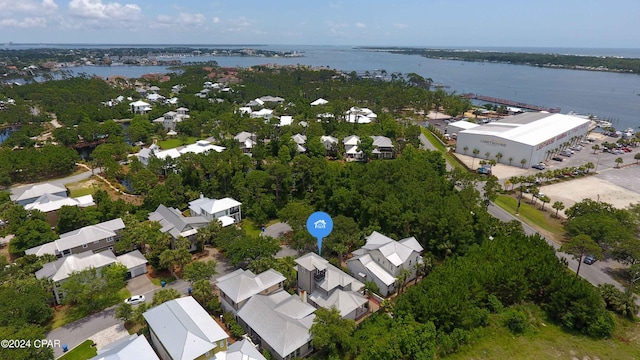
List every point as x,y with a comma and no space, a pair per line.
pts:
533,216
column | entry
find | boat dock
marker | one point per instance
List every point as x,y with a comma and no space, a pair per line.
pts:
510,103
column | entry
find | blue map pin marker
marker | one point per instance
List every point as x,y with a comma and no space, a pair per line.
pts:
319,225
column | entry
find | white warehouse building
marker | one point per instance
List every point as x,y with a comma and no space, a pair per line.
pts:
532,137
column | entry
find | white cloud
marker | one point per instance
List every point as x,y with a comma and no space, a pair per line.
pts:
216,20
30,22
183,20
401,26
360,25
27,6
96,9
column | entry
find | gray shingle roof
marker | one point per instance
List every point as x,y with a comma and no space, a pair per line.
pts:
242,284
281,320
173,222
184,328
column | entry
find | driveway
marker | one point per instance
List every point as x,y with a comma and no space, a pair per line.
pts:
75,333
140,285
276,230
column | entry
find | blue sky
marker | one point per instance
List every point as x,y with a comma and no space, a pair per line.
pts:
539,23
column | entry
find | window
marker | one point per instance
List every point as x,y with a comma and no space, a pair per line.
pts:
110,239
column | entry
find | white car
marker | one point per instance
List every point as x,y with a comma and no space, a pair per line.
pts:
135,300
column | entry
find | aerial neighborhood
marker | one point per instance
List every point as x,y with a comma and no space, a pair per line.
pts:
175,207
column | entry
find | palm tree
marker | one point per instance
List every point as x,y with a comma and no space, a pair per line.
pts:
499,156
588,166
558,205
487,154
595,148
619,162
523,162
475,153
637,157
465,149
510,160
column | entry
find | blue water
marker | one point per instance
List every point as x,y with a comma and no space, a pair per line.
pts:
609,96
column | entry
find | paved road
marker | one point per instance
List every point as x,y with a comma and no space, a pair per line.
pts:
75,333
427,145
596,273
276,230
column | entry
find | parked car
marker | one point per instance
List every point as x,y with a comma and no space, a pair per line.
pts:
557,158
539,195
540,166
589,259
135,300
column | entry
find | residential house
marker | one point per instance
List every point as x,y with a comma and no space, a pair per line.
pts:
171,118
351,151
140,107
247,141
272,100
49,204
300,140
177,225
382,147
93,238
128,347
279,323
135,263
285,120
240,350
60,270
145,154
262,113
201,147
227,210
324,285
27,194
181,329
383,259
330,143
239,286
360,115
319,101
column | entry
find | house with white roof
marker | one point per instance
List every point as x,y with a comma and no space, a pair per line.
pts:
239,286
60,270
140,107
227,210
285,120
382,259
324,285
247,141
279,323
177,225
300,140
27,194
382,147
271,99
262,113
360,115
351,151
49,204
201,147
240,350
171,118
154,97
128,347
89,238
182,329
319,101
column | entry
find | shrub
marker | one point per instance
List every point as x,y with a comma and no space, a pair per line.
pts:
618,301
494,305
516,321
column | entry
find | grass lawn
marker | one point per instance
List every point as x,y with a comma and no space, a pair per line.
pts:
548,341
250,228
81,188
81,352
175,142
157,277
532,215
66,314
450,159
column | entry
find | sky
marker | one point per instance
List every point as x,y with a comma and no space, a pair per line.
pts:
421,23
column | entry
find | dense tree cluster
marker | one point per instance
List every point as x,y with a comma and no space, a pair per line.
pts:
32,164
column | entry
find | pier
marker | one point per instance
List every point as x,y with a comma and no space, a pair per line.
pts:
510,103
